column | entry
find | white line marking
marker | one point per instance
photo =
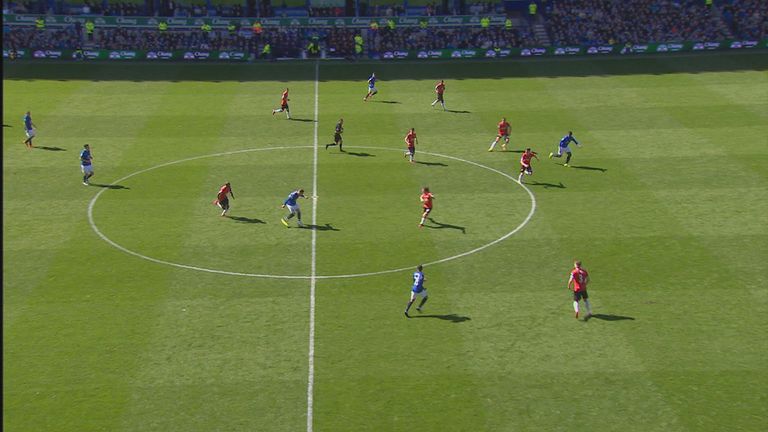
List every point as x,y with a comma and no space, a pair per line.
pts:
273,276
313,278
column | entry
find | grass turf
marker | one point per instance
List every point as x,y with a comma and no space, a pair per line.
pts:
665,204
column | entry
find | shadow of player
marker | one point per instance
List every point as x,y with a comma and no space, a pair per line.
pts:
244,219
448,317
439,225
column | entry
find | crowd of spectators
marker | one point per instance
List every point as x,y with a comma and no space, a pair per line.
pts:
450,37
482,8
631,21
327,11
747,19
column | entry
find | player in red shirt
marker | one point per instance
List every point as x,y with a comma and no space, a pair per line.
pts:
439,90
283,105
578,283
221,198
411,141
504,129
426,202
525,163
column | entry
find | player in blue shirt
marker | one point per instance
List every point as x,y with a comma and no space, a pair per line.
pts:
85,164
293,207
371,87
417,290
29,128
565,148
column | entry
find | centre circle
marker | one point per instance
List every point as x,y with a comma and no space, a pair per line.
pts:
116,245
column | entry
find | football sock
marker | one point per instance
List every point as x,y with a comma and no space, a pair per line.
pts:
422,221
433,103
424,300
85,178
289,216
493,144
520,178
576,306
443,104
568,159
588,306
407,308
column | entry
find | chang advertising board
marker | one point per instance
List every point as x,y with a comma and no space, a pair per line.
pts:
122,55
19,53
231,55
527,52
567,50
197,55
159,55
47,54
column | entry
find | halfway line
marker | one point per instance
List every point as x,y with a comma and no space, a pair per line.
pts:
313,274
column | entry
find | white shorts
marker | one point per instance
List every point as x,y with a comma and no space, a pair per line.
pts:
30,133
561,150
372,90
293,209
421,294
87,169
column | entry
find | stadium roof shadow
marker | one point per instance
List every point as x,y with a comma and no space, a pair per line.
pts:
715,61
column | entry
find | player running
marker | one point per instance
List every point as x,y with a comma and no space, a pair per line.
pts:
293,207
578,283
565,148
283,105
439,90
86,164
337,140
410,142
525,163
29,129
426,203
504,129
371,87
417,290
221,198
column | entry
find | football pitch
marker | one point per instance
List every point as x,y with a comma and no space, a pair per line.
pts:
130,304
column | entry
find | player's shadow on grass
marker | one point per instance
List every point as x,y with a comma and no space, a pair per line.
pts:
448,317
606,317
301,120
359,154
50,148
458,112
560,185
589,168
432,163
326,227
110,186
439,225
244,219
386,101
5,125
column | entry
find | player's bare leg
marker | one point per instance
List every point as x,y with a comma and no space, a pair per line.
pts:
493,144
504,144
421,305
423,219
576,308
520,177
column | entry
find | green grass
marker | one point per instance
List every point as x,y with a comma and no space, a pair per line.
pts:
666,205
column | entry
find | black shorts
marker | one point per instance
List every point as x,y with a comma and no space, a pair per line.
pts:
224,204
411,150
427,210
578,295
526,169
440,97
337,137
284,107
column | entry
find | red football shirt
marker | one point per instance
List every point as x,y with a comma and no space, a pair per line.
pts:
426,199
222,195
525,159
579,277
440,88
410,139
503,128
284,99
